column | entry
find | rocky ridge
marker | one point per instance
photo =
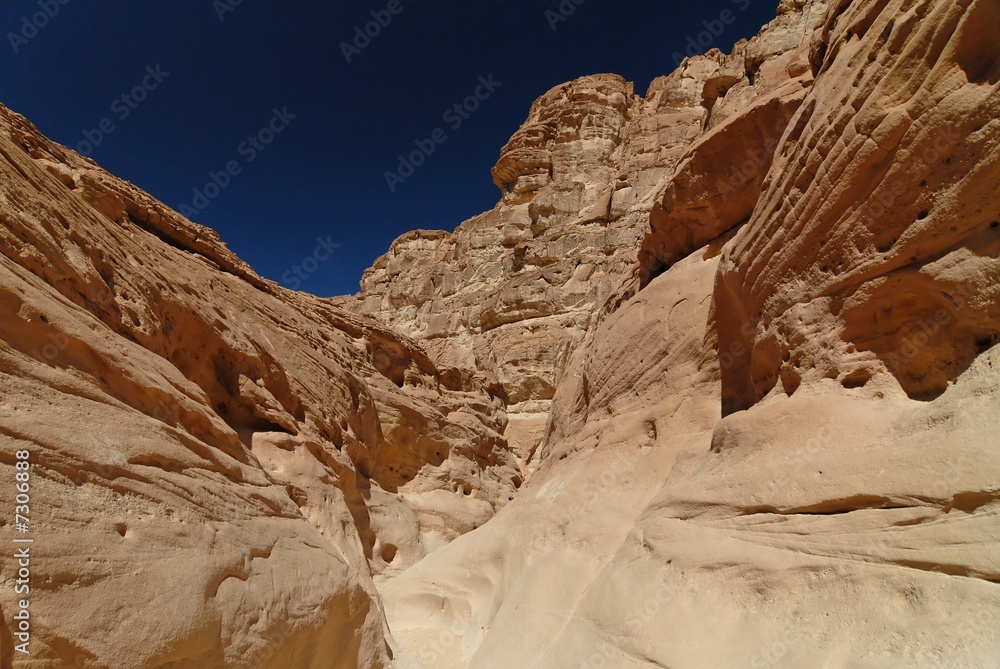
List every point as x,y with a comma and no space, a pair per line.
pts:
258,449
779,420
586,183
712,385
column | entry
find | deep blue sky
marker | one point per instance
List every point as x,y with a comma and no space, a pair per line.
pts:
323,176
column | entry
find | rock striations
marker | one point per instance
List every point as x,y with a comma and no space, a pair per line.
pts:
714,384
207,442
514,292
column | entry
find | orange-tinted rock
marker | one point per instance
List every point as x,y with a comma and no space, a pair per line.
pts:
873,249
848,515
205,441
601,189
728,351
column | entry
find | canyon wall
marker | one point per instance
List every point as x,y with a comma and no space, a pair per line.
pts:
713,384
775,447
207,445
515,291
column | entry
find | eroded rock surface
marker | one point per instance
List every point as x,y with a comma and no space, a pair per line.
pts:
878,223
594,169
779,452
206,442
714,384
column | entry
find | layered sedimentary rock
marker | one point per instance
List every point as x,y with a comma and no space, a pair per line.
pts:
879,222
513,292
218,463
779,452
722,362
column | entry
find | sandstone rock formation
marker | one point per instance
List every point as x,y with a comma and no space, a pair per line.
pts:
778,453
207,443
513,292
713,385
895,168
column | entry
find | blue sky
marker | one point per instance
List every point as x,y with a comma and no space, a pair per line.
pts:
299,129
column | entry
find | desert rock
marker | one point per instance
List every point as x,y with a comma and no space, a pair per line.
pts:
713,384
595,167
192,424
731,474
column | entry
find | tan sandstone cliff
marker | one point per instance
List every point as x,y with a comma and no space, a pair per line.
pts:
515,291
781,451
218,463
715,384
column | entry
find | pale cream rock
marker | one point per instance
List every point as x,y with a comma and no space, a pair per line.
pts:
713,385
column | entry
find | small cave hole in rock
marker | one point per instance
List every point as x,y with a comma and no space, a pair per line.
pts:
886,246
986,342
121,529
388,553
856,379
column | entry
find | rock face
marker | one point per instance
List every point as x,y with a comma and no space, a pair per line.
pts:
515,291
191,425
713,385
891,233
786,430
